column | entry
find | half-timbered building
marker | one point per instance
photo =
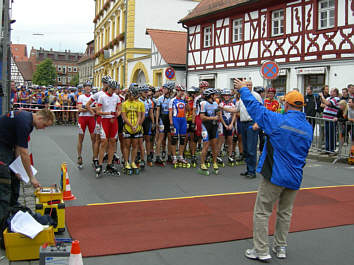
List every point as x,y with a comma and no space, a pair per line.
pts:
311,40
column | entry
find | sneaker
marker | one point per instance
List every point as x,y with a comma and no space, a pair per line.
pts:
280,252
251,176
252,254
244,174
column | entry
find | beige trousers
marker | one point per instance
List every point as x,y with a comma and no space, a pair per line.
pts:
268,194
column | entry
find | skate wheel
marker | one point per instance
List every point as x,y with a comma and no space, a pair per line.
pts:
80,166
188,166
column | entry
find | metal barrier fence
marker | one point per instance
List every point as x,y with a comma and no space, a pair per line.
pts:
334,138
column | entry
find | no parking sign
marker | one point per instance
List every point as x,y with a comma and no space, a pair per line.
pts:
270,70
170,73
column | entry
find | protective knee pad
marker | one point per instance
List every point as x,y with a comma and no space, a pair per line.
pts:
174,139
182,140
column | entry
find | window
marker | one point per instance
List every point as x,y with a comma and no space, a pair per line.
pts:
74,69
64,69
207,36
69,69
59,68
59,79
326,9
278,22
69,78
237,30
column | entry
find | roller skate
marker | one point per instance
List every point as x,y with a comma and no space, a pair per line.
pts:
216,169
163,155
194,161
141,164
208,159
94,163
116,159
105,158
111,170
175,163
99,171
135,169
169,159
183,163
220,162
159,162
203,170
187,153
149,160
127,169
240,160
231,161
79,162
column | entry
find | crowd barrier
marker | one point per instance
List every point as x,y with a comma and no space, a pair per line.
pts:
332,137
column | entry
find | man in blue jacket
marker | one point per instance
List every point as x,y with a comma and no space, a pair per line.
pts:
289,138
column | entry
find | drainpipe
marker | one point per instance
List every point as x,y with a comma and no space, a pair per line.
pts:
125,40
187,28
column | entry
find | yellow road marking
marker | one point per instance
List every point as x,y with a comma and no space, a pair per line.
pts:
210,195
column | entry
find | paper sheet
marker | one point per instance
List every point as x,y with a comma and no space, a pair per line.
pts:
17,167
25,224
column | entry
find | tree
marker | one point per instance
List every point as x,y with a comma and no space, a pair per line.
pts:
75,80
45,73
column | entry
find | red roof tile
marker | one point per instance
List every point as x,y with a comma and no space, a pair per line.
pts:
210,6
170,44
26,70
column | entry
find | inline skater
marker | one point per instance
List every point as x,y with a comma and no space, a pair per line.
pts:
209,114
89,106
227,121
192,138
86,119
132,113
162,117
178,126
109,108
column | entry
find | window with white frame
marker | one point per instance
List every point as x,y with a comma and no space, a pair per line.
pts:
326,9
69,78
64,69
237,30
59,68
59,79
69,69
207,37
74,69
278,22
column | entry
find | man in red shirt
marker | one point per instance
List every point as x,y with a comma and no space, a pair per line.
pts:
270,102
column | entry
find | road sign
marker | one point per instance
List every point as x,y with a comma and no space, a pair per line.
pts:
270,70
170,73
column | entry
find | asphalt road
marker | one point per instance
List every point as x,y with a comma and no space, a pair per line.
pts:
56,145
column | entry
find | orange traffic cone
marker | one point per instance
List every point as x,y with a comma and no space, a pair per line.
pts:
75,254
67,195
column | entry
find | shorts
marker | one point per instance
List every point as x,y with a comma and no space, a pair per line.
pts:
180,125
147,126
164,124
189,125
120,124
198,124
209,131
65,106
128,135
86,121
98,125
222,129
109,128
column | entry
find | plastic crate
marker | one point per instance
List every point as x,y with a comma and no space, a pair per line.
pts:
55,210
20,247
46,194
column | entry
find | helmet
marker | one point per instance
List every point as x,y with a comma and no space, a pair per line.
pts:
112,84
169,85
180,88
144,88
134,89
87,83
226,92
80,86
209,92
203,84
218,91
106,78
94,90
193,89
258,89
272,89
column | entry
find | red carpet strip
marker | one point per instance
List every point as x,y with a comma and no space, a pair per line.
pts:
149,225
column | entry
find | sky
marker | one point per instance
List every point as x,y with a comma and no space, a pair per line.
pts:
66,24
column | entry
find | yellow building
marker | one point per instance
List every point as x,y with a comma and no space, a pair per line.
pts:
121,45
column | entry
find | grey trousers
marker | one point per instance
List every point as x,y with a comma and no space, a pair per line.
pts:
268,194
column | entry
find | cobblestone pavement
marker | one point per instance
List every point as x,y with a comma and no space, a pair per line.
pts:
27,199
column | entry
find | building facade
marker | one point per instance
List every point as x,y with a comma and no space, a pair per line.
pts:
122,49
311,40
66,63
87,63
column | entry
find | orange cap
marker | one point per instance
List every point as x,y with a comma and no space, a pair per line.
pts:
295,98
75,247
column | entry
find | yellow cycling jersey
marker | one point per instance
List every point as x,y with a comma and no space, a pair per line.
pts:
131,110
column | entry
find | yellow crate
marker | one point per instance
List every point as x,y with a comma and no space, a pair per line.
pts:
56,211
20,247
46,194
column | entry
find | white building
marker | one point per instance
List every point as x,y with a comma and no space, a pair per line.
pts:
311,40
